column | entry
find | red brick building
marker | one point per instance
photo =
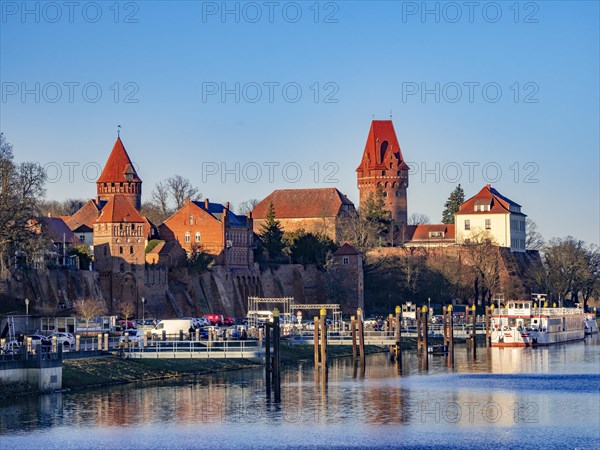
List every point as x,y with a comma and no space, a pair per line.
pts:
213,228
313,210
384,166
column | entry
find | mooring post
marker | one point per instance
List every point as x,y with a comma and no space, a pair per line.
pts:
105,337
316,340
399,335
77,342
323,326
361,335
487,326
99,341
353,333
451,333
425,316
419,334
276,356
268,349
474,321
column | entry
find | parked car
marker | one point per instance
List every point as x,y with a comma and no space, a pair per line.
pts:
38,339
228,321
66,339
136,337
215,319
127,325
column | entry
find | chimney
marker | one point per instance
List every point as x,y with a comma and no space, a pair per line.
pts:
206,204
227,205
249,214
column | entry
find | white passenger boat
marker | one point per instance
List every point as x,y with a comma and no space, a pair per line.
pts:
522,324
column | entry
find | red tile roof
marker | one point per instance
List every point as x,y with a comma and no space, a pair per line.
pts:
119,209
84,217
303,203
345,250
117,165
377,151
488,196
421,232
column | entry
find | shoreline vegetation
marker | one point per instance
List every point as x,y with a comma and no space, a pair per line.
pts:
112,370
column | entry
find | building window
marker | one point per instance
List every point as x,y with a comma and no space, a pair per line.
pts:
197,236
467,224
120,250
187,236
82,237
191,220
488,224
345,260
131,250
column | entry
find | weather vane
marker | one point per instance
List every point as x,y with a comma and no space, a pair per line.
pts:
390,114
118,130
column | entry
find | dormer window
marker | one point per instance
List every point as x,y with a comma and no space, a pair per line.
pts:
436,234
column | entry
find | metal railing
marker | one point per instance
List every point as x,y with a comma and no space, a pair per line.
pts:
201,348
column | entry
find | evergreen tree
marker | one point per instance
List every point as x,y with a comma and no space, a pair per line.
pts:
457,198
373,209
271,234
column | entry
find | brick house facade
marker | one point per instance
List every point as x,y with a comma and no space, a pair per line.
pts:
213,228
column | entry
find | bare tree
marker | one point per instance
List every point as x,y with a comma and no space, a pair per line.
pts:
484,256
247,206
565,261
534,240
127,310
357,229
89,309
590,283
418,219
21,188
181,188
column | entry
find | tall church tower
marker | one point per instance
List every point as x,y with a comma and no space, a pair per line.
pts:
383,165
120,178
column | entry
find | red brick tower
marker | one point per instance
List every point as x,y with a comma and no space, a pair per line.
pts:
383,165
120,178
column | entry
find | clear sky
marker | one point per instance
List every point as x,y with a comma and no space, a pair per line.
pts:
246,97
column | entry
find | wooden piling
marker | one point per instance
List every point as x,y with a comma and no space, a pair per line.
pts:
268,350
323,326
425,317
419,334
100,341
398,335
276,354
353,332
77,342
474,321
487,326
361,335
106,341
451,334
316,340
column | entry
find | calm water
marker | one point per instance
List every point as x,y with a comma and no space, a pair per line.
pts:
507,398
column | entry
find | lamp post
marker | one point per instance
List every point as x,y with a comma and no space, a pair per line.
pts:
143,308
27,315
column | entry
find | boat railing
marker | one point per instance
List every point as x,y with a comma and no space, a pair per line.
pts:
537,311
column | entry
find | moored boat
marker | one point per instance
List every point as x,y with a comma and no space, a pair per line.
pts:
591,325
522,324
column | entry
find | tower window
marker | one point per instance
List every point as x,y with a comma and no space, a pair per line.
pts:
131,250
120,250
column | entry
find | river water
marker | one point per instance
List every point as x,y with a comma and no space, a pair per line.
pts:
507,398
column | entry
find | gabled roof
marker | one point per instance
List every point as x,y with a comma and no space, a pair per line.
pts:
56,229
215,210
422,232
83,220
119,209
302,203
346,250
381,143
499,204
117,166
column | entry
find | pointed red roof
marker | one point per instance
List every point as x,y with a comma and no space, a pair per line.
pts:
117,165
489,196
382,144
119,209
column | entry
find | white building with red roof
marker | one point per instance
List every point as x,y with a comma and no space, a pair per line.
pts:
490,215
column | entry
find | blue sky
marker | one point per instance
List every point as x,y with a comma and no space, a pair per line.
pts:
505,93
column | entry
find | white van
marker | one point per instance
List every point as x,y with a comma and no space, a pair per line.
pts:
172,327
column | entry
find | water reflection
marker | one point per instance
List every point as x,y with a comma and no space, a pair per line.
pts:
495,397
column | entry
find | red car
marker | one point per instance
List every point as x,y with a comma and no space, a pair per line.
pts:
228,321
215,319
